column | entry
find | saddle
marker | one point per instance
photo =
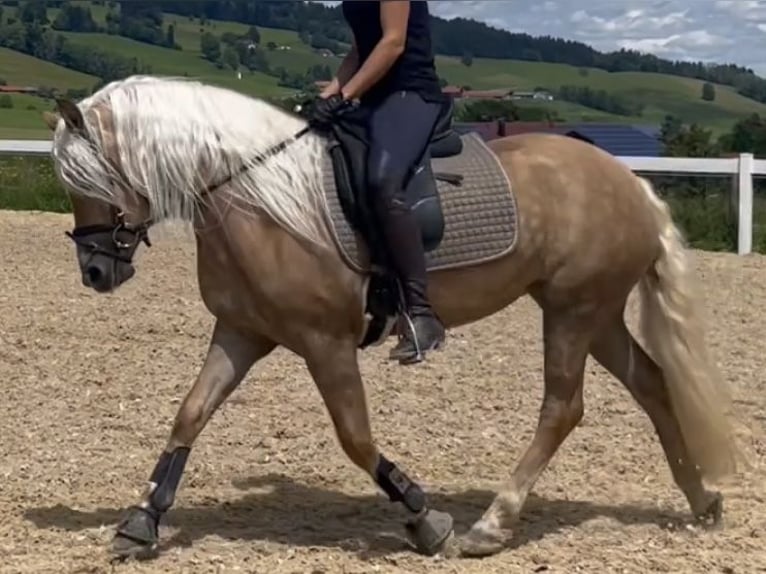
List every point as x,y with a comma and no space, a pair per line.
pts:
347,146
348,150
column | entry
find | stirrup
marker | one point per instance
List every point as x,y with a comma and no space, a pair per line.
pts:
408,350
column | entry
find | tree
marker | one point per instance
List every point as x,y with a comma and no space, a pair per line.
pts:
747,136
467,59
210,46
257,61
708,92
230,57
75,19
691,141
170,36
670,129
33,11
254,35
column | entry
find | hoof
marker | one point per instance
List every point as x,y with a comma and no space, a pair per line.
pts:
712,516
137,535
429,533
481,540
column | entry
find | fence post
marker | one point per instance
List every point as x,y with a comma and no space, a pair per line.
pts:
745,212
733,211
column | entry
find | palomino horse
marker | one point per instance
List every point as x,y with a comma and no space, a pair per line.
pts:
270,270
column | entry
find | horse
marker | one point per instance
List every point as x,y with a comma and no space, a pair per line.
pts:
251,180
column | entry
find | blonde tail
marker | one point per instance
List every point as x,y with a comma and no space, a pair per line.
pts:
674,333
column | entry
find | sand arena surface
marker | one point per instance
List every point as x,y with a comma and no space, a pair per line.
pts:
91,384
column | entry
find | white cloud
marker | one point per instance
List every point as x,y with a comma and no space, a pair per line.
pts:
721,31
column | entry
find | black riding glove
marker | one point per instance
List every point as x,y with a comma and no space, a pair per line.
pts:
325,110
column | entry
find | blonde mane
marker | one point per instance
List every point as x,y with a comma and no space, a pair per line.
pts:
175,137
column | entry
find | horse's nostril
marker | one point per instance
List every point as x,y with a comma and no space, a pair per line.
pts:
94,275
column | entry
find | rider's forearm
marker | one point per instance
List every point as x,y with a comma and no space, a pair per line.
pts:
345,71
375,67
347,68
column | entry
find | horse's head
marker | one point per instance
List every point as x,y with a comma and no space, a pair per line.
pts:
110,217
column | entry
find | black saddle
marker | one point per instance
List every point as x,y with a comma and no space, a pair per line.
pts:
348,149
347,144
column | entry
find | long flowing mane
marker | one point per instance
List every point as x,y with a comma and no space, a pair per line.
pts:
177,136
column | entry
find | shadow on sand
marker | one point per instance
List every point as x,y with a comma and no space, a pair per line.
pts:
290,513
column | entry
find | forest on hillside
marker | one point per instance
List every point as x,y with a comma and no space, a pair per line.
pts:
323,27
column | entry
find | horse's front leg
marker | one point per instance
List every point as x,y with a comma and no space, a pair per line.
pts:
228,360
333,365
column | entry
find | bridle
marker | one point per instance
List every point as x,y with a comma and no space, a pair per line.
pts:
125,237
120,249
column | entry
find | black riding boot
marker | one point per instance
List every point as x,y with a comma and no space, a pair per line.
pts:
406,252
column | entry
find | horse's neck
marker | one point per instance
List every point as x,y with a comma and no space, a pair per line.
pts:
285,182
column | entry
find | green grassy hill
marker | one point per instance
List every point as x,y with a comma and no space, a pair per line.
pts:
660,94
24,120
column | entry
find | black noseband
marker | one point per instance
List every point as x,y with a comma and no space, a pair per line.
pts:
123,238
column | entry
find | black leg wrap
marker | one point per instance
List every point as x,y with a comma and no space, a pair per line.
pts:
398,486
167,476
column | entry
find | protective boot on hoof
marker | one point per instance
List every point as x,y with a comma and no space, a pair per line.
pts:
137,535
429,533
711,516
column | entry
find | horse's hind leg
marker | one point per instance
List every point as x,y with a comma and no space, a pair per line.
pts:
333,365
567,336
230,356
620,354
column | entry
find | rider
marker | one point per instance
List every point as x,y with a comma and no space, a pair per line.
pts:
390,69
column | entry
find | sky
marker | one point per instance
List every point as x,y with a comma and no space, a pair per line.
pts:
721,31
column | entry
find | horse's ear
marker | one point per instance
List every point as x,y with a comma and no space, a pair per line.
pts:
51,120
71,114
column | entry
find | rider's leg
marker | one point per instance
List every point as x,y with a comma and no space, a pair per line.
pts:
400,128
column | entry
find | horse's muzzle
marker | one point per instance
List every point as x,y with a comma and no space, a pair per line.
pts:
103,274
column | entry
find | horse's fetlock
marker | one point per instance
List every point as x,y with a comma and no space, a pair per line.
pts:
399,487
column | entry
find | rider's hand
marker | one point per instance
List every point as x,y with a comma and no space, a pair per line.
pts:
325,110
332,89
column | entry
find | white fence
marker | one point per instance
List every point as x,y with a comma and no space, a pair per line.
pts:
742,170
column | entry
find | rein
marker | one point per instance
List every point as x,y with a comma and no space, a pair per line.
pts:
259,159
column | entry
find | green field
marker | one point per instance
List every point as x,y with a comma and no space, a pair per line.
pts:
188,33
299,57
24,120
164,61
22,70
660,94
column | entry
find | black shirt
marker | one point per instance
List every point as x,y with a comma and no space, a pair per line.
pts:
414,70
